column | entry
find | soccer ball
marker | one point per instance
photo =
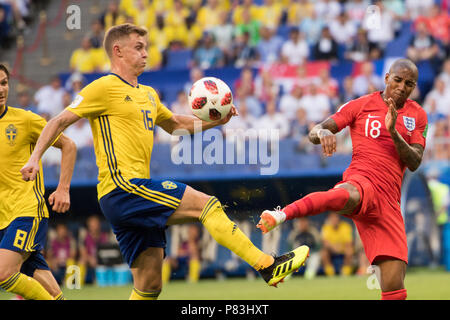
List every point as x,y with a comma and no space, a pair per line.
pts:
210,99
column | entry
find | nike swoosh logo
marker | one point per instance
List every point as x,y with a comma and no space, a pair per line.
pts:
373,116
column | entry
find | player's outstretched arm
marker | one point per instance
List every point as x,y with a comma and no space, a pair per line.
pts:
411,155
180,124
324,134
53,128
60,198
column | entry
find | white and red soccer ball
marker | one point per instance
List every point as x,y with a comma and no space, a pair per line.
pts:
210,99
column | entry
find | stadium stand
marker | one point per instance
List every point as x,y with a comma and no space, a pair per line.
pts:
49,46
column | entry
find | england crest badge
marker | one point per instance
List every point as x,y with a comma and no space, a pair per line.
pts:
11,134
409,122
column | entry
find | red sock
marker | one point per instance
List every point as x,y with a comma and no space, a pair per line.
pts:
394,295
317,202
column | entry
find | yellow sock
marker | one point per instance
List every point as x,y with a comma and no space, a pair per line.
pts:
166,270
60,296
346,270
140,295
82,274
194,270
227,234
26,287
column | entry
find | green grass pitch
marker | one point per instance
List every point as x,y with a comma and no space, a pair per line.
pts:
422,284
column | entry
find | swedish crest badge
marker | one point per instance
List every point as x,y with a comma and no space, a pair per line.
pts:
11,134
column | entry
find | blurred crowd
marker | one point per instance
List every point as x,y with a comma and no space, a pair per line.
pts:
251,32
80,252
81,246
88,251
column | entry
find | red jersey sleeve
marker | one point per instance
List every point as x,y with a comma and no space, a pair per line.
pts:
419,134
346,114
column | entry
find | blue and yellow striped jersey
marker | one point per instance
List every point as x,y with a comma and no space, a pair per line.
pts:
122,119
19,131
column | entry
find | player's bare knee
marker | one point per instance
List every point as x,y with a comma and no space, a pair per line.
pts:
393,281
193,202
53,289
354,198
393,284
7,270
154,285
54,293
203,200
5,273
392,275
190,208
147,283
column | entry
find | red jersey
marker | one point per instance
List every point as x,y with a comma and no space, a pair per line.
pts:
374,154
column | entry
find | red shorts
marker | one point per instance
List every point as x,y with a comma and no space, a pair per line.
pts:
379,222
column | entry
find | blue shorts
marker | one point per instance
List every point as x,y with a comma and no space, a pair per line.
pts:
27,234
139,218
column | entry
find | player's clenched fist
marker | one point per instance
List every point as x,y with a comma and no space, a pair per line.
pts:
328,141
30,170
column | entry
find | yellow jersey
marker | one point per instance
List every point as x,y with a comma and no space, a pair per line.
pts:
19,131
122,119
